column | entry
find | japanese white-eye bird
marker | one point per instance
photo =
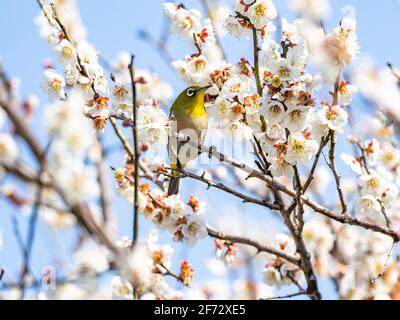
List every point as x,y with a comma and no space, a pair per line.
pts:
189,117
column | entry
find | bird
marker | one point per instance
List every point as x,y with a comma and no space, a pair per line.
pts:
188,116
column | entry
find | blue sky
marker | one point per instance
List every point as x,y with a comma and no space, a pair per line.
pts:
112,27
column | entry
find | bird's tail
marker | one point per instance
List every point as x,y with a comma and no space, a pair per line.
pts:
173,187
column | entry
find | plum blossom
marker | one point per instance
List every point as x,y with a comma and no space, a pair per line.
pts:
369,207
193,229
260,12
183,22
300,149
152,124
334,117
54,84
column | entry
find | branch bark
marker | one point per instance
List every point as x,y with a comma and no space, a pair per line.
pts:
260,247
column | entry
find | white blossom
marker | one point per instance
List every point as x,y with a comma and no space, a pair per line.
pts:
334,117
54,84
300,149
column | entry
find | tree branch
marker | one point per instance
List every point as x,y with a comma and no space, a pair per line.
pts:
221,186
136,159
260,247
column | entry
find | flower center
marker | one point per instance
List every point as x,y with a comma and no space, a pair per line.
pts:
276,81
388,157
192,228
331,114
157,256
56,85
238,108
295,115
66,52
284,72
200,64
187,23
367,203
123,290
373,183
297,146
276,110
260,10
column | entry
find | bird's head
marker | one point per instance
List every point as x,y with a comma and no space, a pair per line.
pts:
191,95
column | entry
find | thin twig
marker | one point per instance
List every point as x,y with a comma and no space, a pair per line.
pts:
122,138
196,44
291,295
300,209
383,211
260,247
256,49
275,186
221,186
33,220
335,173
102,178
310,178
174,275
80,210
136,158
379,275
44,10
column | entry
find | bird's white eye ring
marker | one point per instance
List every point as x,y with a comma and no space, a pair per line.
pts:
190,92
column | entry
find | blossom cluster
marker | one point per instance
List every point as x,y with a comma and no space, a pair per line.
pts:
279,272
184,221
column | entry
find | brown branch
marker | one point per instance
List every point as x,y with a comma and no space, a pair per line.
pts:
80,210
122,138
81,68
310,178
173,275
256,63
221,186
33,220
136,159
305,258
44,10
363,157
196,44
383,211
335,173
291,295
25,173
21,127
277,187
260,247
380,274
105,191
300,208
21,245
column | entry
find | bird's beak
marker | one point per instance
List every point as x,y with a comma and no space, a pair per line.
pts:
205,88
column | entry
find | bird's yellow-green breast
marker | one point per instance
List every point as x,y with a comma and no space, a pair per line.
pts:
188,109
